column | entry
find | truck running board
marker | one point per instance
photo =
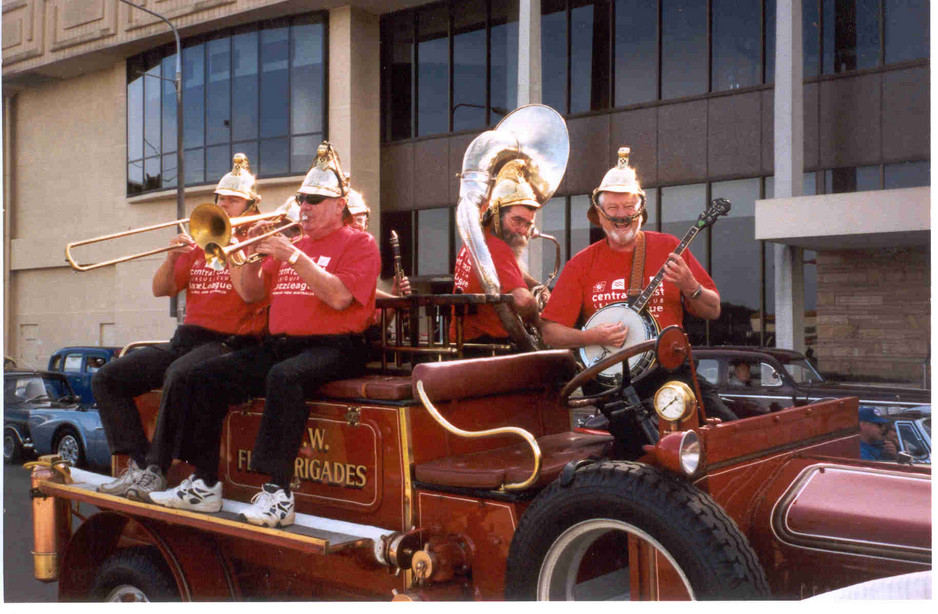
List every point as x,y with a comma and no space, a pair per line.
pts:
311,534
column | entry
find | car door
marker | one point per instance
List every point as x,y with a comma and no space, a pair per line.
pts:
73,368
765,392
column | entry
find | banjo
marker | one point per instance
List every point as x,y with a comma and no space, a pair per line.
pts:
642,326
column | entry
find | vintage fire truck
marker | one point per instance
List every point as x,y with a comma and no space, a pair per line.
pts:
433,477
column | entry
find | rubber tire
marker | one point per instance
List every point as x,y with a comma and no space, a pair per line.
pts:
69,432
141,567
705,542
16,453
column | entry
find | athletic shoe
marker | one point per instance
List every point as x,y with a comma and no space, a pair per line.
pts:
149,480
192,495
271,507
126,479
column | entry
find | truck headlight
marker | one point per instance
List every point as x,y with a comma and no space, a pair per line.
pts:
690,453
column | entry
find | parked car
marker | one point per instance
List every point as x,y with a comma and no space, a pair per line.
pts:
42,415
780,378
79,364
913,427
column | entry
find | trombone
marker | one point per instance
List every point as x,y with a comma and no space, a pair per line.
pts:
208,223
219,254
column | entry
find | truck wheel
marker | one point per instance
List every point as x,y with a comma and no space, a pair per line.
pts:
573,542
134,574
68,446
12,448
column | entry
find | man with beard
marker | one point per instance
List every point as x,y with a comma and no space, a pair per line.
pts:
507,221
618,267
322,297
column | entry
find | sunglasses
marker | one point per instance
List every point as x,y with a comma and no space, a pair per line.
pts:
309,199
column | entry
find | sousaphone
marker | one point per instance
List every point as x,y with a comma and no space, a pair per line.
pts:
536,134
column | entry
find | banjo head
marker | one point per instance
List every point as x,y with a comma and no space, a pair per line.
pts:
640,330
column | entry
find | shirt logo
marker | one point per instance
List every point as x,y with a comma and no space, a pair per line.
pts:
599,287
618,284
323,261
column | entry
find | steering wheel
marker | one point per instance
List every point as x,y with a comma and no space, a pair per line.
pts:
671,348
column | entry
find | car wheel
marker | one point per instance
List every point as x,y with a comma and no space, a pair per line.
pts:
134,574
12,448
577,541
68,445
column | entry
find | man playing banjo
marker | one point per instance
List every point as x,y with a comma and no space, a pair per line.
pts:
619,266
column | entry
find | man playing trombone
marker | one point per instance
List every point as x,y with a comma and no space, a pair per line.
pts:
217,320
322,297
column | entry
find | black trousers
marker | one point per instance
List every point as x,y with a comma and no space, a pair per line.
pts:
287,371
168,366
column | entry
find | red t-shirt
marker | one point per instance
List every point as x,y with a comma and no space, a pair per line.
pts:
598,276
211,300
485,321
350,255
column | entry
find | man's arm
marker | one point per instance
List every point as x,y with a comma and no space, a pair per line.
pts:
557,335
707,303
248,281
525,304
164,280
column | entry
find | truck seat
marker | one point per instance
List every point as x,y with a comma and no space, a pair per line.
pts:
490,469
371,387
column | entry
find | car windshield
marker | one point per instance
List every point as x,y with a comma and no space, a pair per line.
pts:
34,387
801,371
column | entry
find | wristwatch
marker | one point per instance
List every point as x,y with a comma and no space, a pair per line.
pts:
296,256
696,292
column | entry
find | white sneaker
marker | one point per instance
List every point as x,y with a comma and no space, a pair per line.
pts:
271,507
148,480
192,495
126,479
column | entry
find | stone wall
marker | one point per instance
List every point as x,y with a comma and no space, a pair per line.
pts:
874,313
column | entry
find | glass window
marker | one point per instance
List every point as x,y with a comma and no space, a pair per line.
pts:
851,35
767,375
554,54
906,30
244,104
636,52
398,50
589,55
579,224
504,59
736,44
433,241
769,11
218,93
737,260
709,369
811,41
72,363
680,207
553,221
432,70
469,70
683,48
651,204
855,179
907,175
261,81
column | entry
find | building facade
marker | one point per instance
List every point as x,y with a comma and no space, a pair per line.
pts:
402,87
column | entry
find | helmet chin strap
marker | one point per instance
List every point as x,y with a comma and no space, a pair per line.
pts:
624,220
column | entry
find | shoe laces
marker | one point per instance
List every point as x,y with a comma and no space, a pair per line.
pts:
186,484
263,499
148,478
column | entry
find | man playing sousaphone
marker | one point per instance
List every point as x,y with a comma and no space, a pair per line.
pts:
217,320
507,222
619,266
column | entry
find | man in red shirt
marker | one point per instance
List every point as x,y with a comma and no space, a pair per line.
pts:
217,320
322,297
601,274
508,221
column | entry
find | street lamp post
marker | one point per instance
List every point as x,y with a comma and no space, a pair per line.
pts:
180,174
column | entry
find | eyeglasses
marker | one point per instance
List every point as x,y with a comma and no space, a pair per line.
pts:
309,199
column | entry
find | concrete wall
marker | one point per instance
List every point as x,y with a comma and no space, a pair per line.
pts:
873,314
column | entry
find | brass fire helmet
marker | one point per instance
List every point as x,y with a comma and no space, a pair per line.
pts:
620,178
356,203
325,176
240,182
511,188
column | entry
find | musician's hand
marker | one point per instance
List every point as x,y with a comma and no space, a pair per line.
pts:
258,228
542,294
402,288
183,244
277,246
613,335
678,273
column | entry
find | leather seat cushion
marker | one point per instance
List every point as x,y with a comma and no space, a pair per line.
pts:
490,469
377,387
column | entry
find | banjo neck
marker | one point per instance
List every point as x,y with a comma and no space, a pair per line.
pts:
642,300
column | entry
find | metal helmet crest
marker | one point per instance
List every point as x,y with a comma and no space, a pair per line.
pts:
622,179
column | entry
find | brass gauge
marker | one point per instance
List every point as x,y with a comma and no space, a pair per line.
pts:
675,401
